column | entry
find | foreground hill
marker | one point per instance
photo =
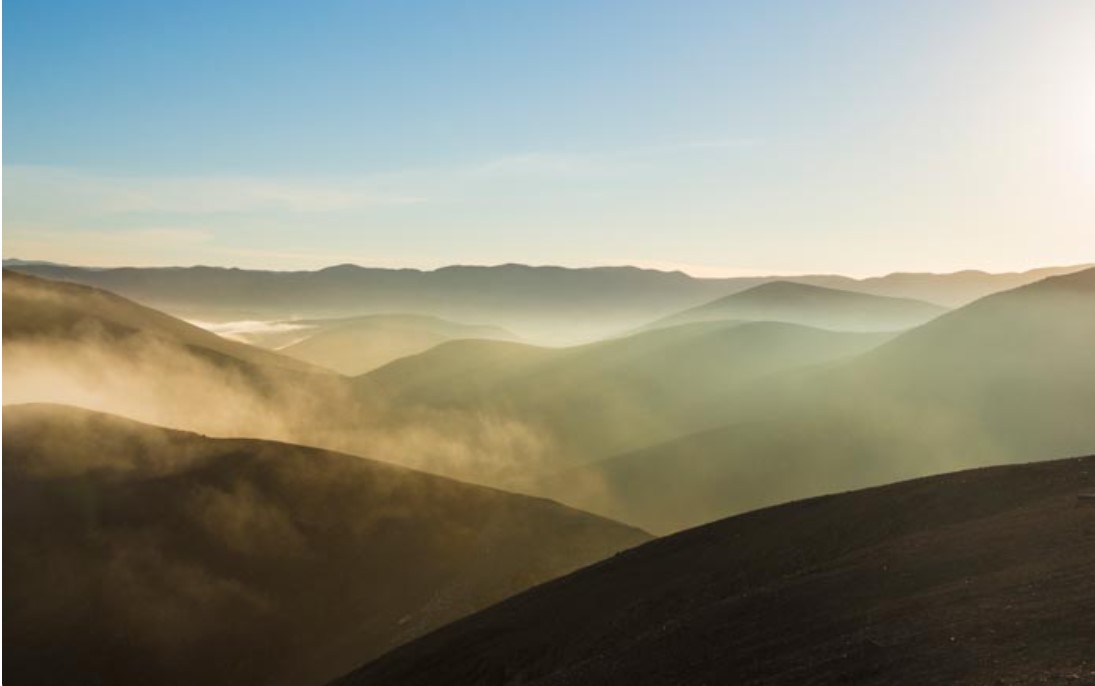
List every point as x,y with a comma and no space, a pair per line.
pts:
798,303
978,577
549,304
357,345
594,400
138,555
1005,379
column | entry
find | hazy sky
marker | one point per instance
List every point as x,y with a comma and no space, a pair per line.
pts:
719,137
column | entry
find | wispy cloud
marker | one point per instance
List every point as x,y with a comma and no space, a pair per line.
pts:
93,217
44,190
86,191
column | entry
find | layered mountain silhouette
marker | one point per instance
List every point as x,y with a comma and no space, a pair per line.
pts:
239,560
547,304
357,345
978,577
594,400
1007,378
139,555
798,303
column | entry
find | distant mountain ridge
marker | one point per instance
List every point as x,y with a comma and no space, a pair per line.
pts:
552,304
810,305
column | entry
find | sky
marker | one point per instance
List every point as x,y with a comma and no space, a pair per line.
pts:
721,138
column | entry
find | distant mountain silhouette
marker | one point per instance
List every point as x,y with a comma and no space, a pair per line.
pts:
1007,378
547,304
956,288
798,303
138,555
978,577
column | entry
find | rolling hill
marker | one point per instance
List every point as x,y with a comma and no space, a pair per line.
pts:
594,400
37,309
799,303
72,344
138,555
977,577
1008,378
357,345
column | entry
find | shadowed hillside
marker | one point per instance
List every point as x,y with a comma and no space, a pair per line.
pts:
1008,378
798,303
138,555
978,577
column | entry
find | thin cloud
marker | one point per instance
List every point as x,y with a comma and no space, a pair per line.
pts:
79,191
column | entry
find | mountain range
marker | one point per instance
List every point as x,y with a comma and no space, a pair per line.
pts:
295,490
551,305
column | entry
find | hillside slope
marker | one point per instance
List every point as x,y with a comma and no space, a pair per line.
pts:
978,577
36,308
138,555
1008,378
357,345
594,400
799,303
71,344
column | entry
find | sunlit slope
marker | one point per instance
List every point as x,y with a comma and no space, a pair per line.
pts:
360,344
798,303
978,577
1008,378
138,555
72,344
40,309
590,401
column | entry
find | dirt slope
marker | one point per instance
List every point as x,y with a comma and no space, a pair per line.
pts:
976,577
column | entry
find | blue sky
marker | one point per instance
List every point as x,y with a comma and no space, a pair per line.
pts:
719,137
